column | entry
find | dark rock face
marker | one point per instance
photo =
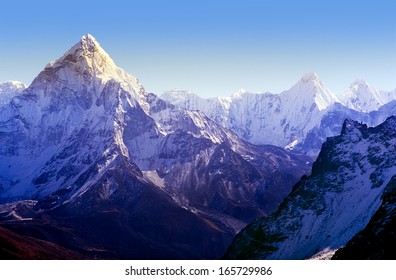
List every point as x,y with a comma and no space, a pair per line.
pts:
14,246
351,187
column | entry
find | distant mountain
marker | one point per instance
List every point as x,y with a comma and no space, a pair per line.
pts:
93,163
298,119
277,119
352,176
9,89
364,98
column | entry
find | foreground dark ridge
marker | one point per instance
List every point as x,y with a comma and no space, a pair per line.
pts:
352,177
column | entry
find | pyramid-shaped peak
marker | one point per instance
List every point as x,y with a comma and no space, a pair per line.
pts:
310,90
311,76
86,65
359,83
88,42
361,96
361,87
86,54
87,45
88,38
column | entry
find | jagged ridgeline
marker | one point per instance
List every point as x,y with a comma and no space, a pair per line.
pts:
349,196
299,119
99,168
94,166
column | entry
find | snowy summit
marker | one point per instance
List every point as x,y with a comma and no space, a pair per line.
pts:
10,89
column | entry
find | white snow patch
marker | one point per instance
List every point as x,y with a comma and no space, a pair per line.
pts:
291,145
153,177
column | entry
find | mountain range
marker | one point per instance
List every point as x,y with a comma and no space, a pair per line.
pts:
299,119
94,166
9,89
92,162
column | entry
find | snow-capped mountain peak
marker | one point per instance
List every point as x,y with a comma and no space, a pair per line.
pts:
11,85
301,117
280,119
359,82
310,88
87,54
310,76
89,41
84,71
359,85
9,89
361,96
239,93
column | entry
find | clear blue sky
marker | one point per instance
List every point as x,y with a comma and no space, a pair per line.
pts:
210,47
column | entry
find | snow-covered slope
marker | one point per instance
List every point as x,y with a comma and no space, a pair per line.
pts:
364,98
217,108
278,119
325,210
377,240
85,139
70,114
10,89
300,118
